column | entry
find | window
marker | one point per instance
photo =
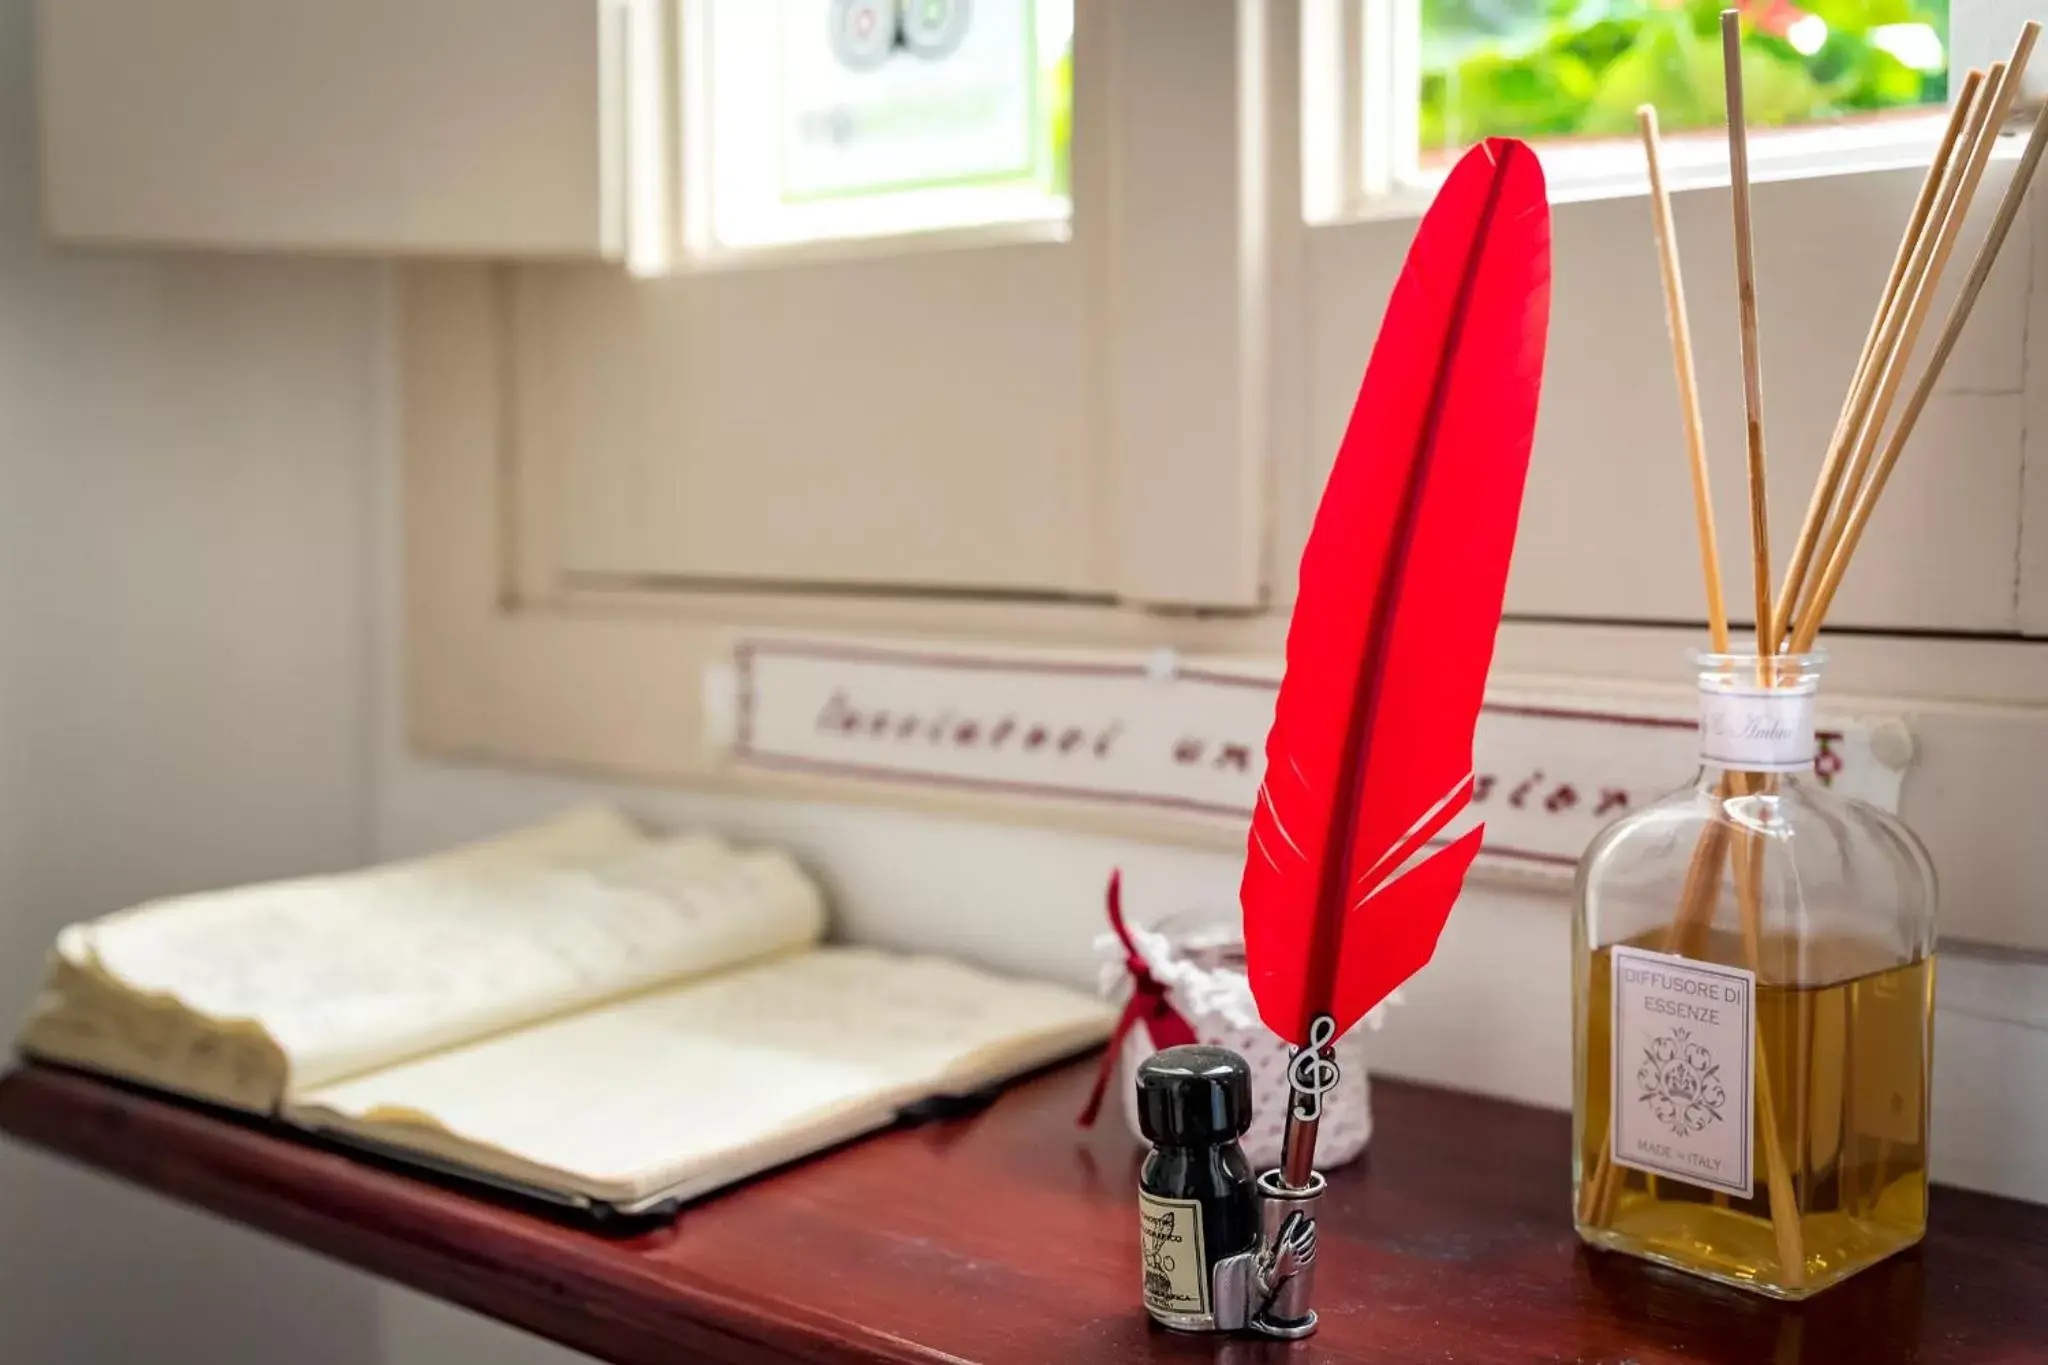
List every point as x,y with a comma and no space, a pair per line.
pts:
860,118
1579,68
1394,89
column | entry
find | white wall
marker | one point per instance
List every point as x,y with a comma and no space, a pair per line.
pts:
182,702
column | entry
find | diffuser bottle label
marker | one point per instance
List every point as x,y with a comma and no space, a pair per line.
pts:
1170,1249
1757,730
1684,1041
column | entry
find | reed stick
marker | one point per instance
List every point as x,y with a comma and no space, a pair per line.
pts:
1680,329
1951,331
1697,895
1856,405
1703,874
1981,136
1598,1187
1785,1224
1752,358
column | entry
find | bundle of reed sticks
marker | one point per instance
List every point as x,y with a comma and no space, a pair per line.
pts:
1869,437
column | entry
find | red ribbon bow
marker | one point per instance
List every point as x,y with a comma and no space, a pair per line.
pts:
1148,1004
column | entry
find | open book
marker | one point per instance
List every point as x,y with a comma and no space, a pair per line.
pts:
574,1011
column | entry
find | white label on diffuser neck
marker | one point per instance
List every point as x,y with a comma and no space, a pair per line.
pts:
1761,730
1684,1036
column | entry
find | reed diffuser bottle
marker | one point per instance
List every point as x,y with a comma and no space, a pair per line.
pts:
1754,978
1754,955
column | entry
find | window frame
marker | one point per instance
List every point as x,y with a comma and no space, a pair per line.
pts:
1361,74
695,244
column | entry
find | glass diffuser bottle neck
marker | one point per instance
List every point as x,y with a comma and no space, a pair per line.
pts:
1756,714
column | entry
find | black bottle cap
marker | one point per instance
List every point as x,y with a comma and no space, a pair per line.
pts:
1194,1096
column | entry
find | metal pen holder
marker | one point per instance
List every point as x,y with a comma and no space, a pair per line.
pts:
1269,1290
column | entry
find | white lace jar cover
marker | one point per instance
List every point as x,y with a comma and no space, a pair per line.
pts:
1199,959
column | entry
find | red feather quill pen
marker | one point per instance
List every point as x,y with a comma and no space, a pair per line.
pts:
1370,754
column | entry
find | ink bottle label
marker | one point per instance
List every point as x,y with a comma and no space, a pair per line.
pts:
1170,1246
1684,1037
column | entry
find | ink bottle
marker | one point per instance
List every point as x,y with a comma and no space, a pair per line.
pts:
1197,1204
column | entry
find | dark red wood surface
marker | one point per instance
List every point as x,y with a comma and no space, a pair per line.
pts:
1009,1238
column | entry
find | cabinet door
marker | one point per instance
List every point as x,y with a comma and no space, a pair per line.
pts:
445,127
821,425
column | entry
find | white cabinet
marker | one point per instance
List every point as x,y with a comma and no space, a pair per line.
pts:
1072,410
433,127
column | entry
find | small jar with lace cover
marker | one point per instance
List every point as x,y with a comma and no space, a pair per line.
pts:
1196,961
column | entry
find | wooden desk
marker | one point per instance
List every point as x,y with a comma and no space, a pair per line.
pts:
1009,1238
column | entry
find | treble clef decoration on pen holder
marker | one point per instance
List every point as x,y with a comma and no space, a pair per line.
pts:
1311,1073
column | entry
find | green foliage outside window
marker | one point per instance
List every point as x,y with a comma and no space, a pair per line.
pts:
1563,68
1056,91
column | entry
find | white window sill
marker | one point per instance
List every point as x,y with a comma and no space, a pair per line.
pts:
711,259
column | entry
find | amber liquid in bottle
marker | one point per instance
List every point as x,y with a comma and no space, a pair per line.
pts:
1846,1062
